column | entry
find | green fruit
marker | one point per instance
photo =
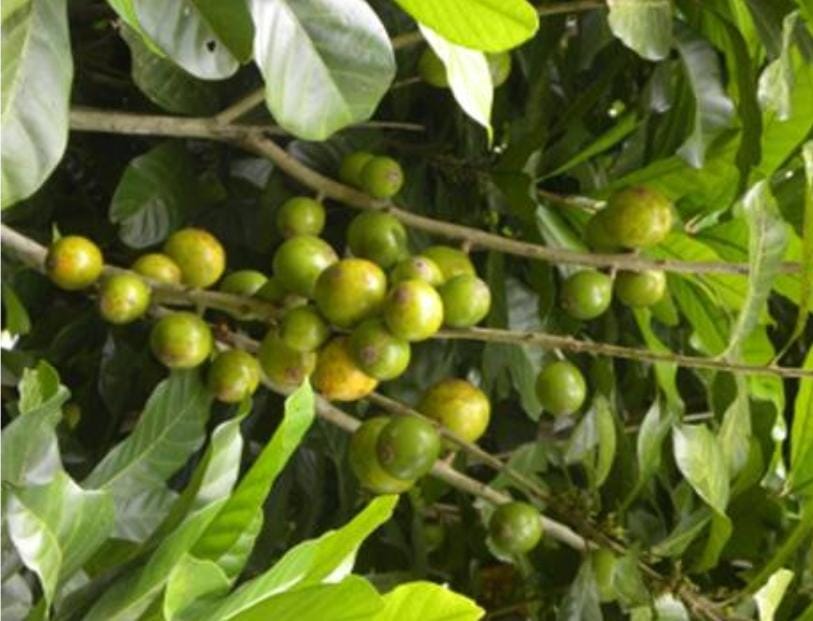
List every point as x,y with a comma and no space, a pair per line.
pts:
243,282
561,388
587,294
123,298
408,447
466,301
382,177
337,376
158,267
432,70
499,65
603,562
418,267
596,235
451,261
459,406
413,310
349,291
271,291
283,366
515,527
73,263
434,535
303,329
198,254
378,237
301,215
300,260
640,288
378,352
351,167
233,376
638,217
181,340
363,457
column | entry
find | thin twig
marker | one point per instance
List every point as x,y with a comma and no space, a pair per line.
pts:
241,107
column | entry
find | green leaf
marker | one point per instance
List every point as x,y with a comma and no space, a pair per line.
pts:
700,460
37,70
735,430
192,579
628,583
644,27
593,441
17,321
665,372
670,608
686,531
653,431
776,81
769,596
719,534
231,21
15,598
801,435
326,64
709,323
428,602
581,603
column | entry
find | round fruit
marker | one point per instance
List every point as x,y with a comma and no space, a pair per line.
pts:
413,310
587,294
596,235
638,217
123,298
159,267
382,177
515,527
603,562
303,329
233,376
300,260
199,255
499,65
351,167
181,340
337,376
378,237
408,447
560,388
301,215
73,263
466,301
283,366
363,457
349,291
459,406
378,352
451,261
432,70
640,288
419,267
271,291
243,282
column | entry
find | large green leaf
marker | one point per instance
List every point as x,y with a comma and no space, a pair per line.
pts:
643,26
769,596
37,69
735,430
190,581
428,602
700,459
806,277
665,372
326,64
776,81
649,443
231,22
801,435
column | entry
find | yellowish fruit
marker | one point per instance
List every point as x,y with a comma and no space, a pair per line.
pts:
337,376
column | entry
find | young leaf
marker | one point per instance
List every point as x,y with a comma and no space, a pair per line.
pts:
770,596
644,27
801,435
190,580
428,602
700,460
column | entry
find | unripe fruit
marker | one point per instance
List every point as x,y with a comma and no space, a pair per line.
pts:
451,261
499,65
283,366
596,235
272,291
349,291
351,167
432,70
199,255
181,340
123,298
363,457
408,447
299,261
73,263
418,267
233,376
587,294
466,301
561,388
301,215
640,289
378,237
459,406
382,177
434,535
337,376
515,527
603,562
638,217
378,352
303,329
158,267
413,310
243,282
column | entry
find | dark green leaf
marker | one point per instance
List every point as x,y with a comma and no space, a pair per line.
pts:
17,321
231,22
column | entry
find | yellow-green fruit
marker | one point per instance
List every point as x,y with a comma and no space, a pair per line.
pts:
181,340
638,217
378,352
300,260
587,294
451,261
596,235
199,255
123,298
243,282
337,376
73,263
459,406
560,388
272,291
233,376
382,177
418,267
378,237
499,65
363,458
303,329
158,267
349,291
413,310
283,366
301,215
603,561
351,167
466,301
432,70
408,447
640,289
515,527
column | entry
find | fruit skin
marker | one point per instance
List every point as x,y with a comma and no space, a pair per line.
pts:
349,291
603,561
638,217
432,70
123,298
382,177
159,267
418,267
198,254
233,376
451,261
408,447
378,352
515,527
283,366
499,65
74,263
300,260
466,301
301,215
459,406
413,310
271,291
587,294
596,235
243,282
561,388
363,457
351,167
303,329
337,376
378,237
181,340
640,289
